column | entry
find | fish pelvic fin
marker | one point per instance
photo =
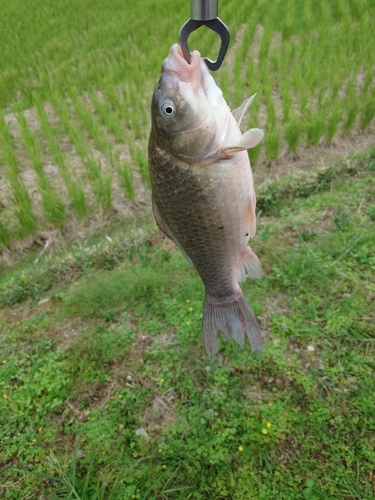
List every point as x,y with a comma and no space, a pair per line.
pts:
232,317
249,266
249,139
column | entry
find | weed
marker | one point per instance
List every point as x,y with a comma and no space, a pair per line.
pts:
271,198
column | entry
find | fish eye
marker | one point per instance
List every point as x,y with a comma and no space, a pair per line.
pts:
167,109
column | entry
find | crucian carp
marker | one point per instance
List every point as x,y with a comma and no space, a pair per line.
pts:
202,191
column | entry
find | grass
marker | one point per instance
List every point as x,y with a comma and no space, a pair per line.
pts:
311,63
107,392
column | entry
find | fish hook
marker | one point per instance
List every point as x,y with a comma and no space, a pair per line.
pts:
204,13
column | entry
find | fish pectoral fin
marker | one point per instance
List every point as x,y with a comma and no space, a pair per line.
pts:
250,266
165,230
239,112
249,140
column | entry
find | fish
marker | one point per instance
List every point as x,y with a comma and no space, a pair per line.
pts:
203,196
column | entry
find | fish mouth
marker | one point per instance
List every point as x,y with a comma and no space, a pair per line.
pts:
176,64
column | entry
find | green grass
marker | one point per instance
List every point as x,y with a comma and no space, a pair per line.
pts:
118,349
313,60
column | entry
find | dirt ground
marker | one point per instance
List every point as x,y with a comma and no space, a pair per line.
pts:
314,157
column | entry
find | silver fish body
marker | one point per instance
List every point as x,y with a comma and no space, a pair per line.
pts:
203,194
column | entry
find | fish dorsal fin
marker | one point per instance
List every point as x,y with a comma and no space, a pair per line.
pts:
239,112
249,139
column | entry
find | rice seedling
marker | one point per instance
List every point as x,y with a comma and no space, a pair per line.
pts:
265,44
351,104
92,127
124,170
367,112
332,122
286,101
22,205
367,100
224,82
272,142
293,129
272,133
109,116
315,126
140,159
137,122
73,183
309,14
325,10
53,207
5,235
288,19
100,183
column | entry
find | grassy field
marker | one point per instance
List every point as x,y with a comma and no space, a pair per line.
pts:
75,93
106,391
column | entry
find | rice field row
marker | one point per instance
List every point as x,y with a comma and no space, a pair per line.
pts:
75,93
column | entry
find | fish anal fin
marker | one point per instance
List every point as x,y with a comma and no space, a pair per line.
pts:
249,266
164,228
249,139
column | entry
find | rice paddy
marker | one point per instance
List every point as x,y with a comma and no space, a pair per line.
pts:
75,93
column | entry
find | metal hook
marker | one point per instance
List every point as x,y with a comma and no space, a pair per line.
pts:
214,24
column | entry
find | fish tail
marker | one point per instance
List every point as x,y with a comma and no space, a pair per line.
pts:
232,317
